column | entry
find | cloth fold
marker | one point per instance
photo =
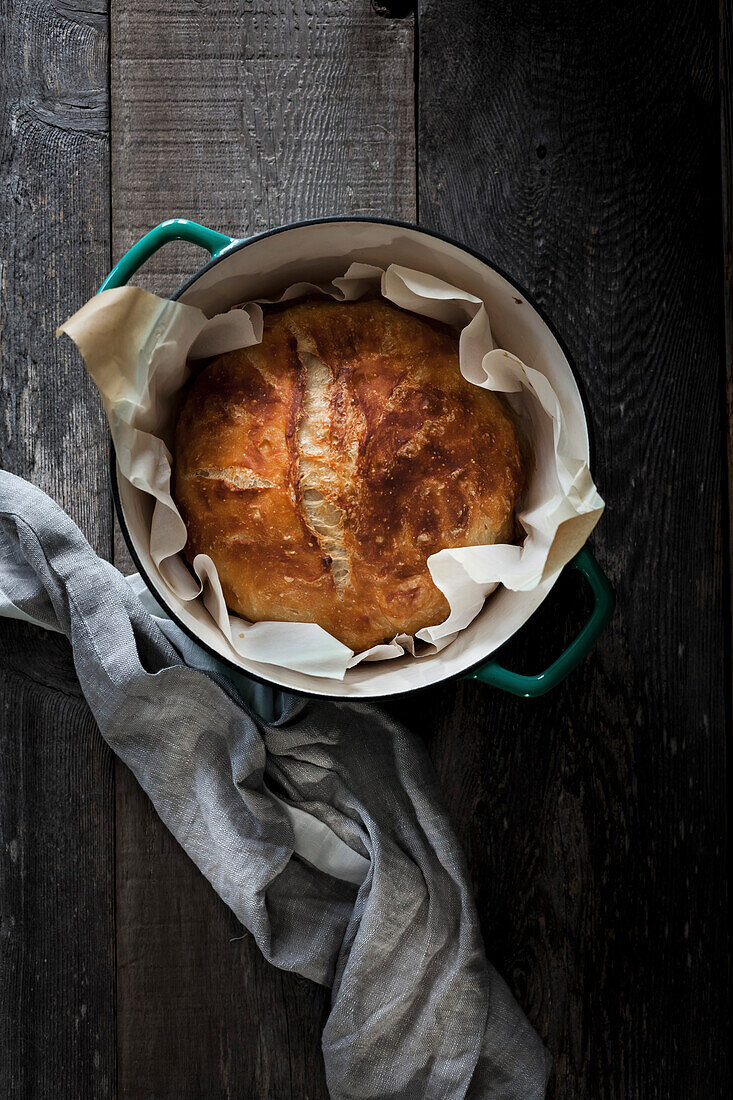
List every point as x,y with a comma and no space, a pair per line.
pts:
320,824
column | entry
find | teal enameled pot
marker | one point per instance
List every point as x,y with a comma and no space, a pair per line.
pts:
319,250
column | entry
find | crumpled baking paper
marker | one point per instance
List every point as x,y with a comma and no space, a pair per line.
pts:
136,347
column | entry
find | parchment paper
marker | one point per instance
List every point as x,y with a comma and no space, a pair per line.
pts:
136,347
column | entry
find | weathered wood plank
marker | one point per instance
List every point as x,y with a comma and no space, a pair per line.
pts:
251,115
726,136
241,117
54,208
57,955
588,165
57,1026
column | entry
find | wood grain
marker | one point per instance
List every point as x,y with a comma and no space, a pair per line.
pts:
56,877
580,151
57,1026
588,166
725,70
54,209
245,116
726,141
240,116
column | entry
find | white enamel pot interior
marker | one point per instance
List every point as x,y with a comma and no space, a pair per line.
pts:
318,251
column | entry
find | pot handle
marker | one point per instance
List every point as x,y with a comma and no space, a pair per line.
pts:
532,686
175,229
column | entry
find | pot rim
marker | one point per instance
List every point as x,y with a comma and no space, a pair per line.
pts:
236,246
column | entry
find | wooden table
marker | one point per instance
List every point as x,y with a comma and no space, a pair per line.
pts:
577,145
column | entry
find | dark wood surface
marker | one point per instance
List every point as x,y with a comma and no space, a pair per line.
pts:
57,896
578,147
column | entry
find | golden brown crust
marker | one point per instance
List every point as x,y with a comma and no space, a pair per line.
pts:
321,468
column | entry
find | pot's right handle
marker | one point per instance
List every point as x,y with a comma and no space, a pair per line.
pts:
175,229
531,686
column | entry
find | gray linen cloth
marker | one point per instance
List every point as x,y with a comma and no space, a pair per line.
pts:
417,1011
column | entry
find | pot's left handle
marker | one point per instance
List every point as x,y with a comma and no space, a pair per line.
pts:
175,229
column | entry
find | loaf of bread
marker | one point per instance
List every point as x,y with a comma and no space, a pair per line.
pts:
321,468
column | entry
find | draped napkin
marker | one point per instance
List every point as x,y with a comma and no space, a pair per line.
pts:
320,824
